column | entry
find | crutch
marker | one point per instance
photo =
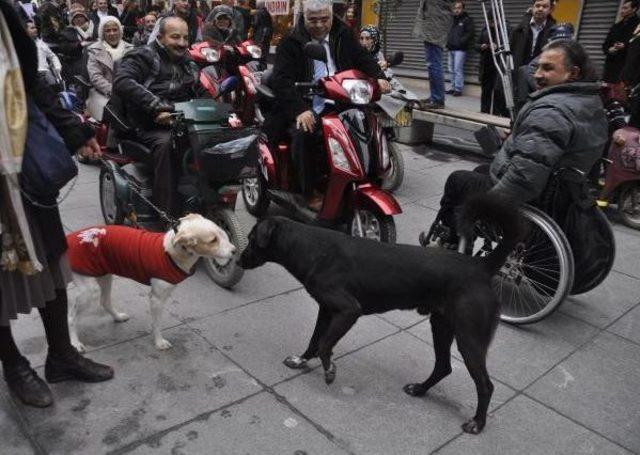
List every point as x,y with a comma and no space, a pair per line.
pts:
502,58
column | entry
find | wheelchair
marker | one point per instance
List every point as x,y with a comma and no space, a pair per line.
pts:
560,254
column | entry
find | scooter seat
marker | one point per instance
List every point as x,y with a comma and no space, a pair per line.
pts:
136,150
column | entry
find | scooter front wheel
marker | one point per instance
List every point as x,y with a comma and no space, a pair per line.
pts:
254,195
395,176
372,225
230,274
110,206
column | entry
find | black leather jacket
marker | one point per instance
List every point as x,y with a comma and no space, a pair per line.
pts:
148,76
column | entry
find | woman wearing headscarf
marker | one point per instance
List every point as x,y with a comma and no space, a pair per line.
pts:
102,56
73,40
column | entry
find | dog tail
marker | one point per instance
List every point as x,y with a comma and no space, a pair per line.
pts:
497,212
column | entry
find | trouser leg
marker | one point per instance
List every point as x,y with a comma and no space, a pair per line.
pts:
56,328
436,75
164,169
303,147
459,187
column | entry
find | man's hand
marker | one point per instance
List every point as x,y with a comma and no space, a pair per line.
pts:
163,118
383,64
385,86
306,121
90,150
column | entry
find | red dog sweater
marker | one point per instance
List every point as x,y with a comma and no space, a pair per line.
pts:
122,251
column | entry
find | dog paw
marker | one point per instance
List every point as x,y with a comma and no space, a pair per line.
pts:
163,345
415,390
121,317
81,348
472,426
330,374
295,362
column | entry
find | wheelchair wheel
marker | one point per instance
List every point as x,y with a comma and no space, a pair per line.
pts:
538,274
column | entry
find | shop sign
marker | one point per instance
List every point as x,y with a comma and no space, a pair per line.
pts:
277,7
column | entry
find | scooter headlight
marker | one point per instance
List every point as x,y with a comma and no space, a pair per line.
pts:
210,54
338,157
359,90
254,51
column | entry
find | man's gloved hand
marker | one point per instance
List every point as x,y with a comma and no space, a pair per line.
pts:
164,106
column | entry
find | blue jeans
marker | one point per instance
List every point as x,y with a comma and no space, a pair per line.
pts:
433,56
456,68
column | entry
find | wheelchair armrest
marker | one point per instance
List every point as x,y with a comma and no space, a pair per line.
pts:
116,120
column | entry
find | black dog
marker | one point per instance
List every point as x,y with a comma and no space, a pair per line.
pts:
350,277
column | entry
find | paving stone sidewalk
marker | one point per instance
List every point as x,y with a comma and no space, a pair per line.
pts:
566,385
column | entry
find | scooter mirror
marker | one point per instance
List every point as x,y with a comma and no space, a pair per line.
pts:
315,51
396,59
228,85
265,91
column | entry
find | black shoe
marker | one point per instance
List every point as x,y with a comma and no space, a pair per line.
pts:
74,367
456,93
25,383
430,105
450,92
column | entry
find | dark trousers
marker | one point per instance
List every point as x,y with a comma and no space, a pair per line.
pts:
304,147
459,187
488,85
165,168
54,319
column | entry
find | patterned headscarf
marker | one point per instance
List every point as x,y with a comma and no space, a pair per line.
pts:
375,37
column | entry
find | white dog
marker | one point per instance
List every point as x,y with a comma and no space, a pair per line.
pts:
161,260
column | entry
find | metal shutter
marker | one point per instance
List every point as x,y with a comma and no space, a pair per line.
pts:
597,18
400,38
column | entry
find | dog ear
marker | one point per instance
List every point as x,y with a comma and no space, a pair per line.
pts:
264,232
184,239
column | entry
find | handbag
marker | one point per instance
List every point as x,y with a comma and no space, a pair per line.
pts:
47,164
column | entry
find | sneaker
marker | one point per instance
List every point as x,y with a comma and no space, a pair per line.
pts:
74,367
456,93
25,383
450,92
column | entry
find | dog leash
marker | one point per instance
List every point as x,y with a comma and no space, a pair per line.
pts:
164,216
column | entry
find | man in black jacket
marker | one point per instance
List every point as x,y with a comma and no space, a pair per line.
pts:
262,31
617,41
631,77
148,81
291,65
532,34
459,41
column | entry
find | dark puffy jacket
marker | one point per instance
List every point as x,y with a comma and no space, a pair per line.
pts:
521,41
461,34
291,65
619,32
560,127
71,53
147,76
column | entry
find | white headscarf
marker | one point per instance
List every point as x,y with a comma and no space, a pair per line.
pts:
118,51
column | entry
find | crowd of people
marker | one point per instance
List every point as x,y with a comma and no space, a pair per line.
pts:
563,122
445,25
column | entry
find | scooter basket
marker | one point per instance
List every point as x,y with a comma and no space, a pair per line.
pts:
229,155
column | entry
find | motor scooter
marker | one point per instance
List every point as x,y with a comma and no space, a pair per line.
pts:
214,158
621,184
355,159
239,60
